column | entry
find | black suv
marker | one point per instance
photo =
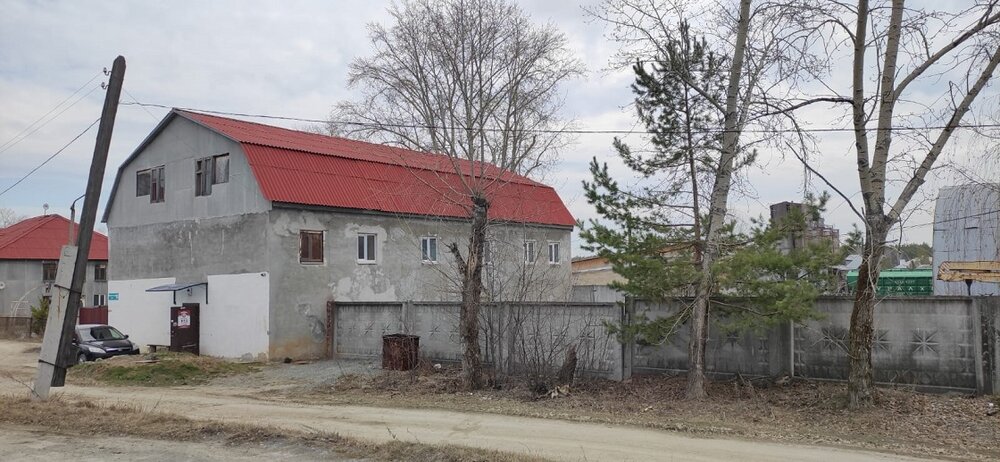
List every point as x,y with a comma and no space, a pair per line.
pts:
95,341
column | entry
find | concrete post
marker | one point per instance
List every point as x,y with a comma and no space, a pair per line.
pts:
987,345
627,347
49,357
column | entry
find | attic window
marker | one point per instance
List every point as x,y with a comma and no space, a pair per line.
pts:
209,171
142,183
157,188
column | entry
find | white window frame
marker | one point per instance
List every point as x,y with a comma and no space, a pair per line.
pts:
366,255
425,250
554,244
100,299
529,251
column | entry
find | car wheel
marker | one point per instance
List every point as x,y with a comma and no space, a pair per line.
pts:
81,358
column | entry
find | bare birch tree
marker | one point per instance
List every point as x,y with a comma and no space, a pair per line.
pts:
928,67
476,81
9,217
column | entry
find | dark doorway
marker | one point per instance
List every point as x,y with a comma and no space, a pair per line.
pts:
184,328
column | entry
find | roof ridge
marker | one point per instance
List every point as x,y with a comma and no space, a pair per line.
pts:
515,177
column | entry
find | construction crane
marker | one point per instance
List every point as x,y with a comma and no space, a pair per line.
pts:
969,271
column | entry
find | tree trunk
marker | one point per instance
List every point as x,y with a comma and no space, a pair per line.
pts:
472,290
696,346
717,212
860,384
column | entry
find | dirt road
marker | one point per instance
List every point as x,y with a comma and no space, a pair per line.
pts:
553,439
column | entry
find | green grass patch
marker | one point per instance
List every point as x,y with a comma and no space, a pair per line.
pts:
161,370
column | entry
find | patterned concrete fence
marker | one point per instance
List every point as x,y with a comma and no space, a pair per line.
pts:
511,335
928,342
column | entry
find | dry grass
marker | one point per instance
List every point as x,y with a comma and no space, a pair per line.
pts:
160,369
904,422
78,417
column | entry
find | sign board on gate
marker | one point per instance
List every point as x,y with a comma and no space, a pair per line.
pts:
183,319
112,296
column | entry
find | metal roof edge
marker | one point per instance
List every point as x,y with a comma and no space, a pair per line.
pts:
352,211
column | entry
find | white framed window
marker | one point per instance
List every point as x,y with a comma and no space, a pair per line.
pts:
100,300
554,253
529,251
429,249
366,248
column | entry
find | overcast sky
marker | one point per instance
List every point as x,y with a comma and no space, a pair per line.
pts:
290,58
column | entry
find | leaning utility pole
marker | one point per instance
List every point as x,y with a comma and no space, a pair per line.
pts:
57,354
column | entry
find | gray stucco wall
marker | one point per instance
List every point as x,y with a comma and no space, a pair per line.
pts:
189,250
23,280
967,228
514,336
176,148
299,292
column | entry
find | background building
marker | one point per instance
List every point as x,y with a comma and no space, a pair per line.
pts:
29,254
967,229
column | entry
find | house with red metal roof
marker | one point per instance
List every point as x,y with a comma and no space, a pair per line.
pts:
29,253
254,229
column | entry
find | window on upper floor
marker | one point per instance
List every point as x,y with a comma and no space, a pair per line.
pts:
529,251
209,171
366,248
554,253
49,269
142,179
101,272
310,246
157,184
429,249
100,300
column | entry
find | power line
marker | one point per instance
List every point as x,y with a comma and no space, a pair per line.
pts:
18,138
53,156
563,131
951,219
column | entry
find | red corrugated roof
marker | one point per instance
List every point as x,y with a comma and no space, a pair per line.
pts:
42,238
311,169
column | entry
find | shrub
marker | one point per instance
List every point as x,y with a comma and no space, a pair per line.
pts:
40,316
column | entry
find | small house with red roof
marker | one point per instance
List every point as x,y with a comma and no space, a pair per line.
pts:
29,254
261,227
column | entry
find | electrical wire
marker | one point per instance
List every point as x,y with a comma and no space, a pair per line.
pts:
18,137
53,156
947,220
563,131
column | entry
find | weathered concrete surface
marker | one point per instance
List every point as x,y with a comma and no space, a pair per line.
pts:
512,334
300,292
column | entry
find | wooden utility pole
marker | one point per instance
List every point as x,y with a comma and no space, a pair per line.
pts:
57,353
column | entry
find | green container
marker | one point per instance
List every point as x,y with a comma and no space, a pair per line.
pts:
904,282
